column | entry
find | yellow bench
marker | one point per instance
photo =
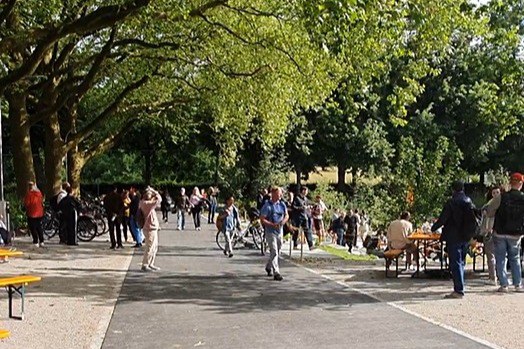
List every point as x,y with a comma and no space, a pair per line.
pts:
17,284
390,256
4,334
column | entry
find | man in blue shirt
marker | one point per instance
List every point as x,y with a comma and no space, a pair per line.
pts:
273,217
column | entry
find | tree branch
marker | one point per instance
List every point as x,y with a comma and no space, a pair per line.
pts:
7,9
142,43
108,112
109,141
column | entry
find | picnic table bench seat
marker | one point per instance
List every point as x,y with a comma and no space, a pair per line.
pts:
4,334
390,256
16,285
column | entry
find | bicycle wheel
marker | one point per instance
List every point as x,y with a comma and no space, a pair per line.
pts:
221,240
86,229
257,237
50,225
101,226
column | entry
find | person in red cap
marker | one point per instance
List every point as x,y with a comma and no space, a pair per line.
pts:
508,231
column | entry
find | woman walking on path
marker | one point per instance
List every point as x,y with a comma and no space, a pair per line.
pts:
212,198
34,208
196,206
488,219
126,214
150,201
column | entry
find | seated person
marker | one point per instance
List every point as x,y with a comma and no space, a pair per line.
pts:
398,232
5,236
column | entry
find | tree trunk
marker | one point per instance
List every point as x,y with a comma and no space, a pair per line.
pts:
298,173
341,177
75,164
54,152
21,142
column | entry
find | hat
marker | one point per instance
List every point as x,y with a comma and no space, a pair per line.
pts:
517,177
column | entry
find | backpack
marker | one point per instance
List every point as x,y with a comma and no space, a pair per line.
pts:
471,222
510,215
140,218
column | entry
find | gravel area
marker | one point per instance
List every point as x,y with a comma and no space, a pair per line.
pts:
482,313
72,306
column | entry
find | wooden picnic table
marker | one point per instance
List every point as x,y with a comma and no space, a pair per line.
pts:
10,253
425,239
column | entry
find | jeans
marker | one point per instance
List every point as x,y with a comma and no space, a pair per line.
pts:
227,234
457,257
212,212
304,223
136,231
275,244
35,227
195,211
340,237
114,224
181,218
510,248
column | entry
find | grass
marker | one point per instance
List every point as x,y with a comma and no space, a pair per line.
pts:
342,253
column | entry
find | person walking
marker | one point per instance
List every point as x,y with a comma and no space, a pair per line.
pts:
34,209
165,206
508,230
212,198
486,231
274,216
69,207
150,201
317,215
136,231
195,202
126,200
351,223
230,222
301,217
182,204
114,206
453,219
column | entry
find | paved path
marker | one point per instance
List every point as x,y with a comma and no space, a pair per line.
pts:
203,299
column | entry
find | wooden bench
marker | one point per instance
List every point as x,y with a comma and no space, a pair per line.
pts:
17,284
4,334
390,256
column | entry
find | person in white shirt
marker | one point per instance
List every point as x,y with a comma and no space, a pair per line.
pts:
397,235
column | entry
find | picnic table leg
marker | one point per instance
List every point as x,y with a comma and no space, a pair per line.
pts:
10,293
22,294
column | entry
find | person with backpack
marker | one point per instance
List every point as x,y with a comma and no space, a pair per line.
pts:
229,222
459,226
508,230
150,201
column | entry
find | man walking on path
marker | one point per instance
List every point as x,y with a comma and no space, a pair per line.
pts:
133,208
273,217
150,201
230,221
508,231
301,217
114,205
453,217
182,204
34,208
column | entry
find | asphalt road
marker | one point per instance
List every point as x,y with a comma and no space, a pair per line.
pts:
200,298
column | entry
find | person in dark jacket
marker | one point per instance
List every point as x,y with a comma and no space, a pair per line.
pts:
452,218
69,207
301,216
114,205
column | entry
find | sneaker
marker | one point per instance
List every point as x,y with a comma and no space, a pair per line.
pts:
146,269
454,295
491,282
269,272
278,277
36,245
153,267
503,289
312,248
225,253
41,244
137,245
230,255
112,247
519,289
178,228
120,247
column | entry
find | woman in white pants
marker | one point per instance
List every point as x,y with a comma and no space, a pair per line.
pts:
150,201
